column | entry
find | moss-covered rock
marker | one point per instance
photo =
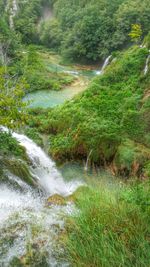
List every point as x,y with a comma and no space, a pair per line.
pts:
9,146
56,200
19,168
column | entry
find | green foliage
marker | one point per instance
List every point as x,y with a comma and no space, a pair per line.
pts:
33,134
12,109
9,43
147,40
136,33
26,20
91,30
139,195
50,34
110,228
104,116
9,145
131,12
33,66
88,30
131,158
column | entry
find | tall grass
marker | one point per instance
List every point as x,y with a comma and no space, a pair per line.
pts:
110,230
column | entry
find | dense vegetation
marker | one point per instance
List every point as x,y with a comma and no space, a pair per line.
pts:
79,30
90,29
108,124
109,121
112,227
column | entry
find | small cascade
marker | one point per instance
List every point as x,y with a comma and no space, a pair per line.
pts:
106,63
147,65
12,9
87,161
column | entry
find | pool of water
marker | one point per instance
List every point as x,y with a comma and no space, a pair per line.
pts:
49,98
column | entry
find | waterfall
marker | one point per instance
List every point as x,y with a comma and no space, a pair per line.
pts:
12,9
146,65
44,169
106,62
87,161
22,211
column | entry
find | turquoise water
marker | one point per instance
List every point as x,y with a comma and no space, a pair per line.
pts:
78,72
49,98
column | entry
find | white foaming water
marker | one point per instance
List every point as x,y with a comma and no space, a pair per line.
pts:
76,73
14,201
23,211
106,62
20,214
147,65
44,169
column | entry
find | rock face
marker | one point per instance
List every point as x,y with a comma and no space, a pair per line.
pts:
56,200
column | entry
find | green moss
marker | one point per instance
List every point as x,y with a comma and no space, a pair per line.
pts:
18,168
10,146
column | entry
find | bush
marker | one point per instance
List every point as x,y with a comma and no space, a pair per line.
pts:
34,135
10,146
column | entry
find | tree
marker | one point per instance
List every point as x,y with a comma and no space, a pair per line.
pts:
51,34
12,108
136,33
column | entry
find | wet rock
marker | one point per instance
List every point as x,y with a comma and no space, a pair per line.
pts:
56,200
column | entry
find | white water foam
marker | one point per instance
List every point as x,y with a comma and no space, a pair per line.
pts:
44,169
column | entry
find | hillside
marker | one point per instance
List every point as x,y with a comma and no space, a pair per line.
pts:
74,133
109,121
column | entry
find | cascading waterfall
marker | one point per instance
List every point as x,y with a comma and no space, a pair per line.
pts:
147,64
22,211
44,169
106,62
